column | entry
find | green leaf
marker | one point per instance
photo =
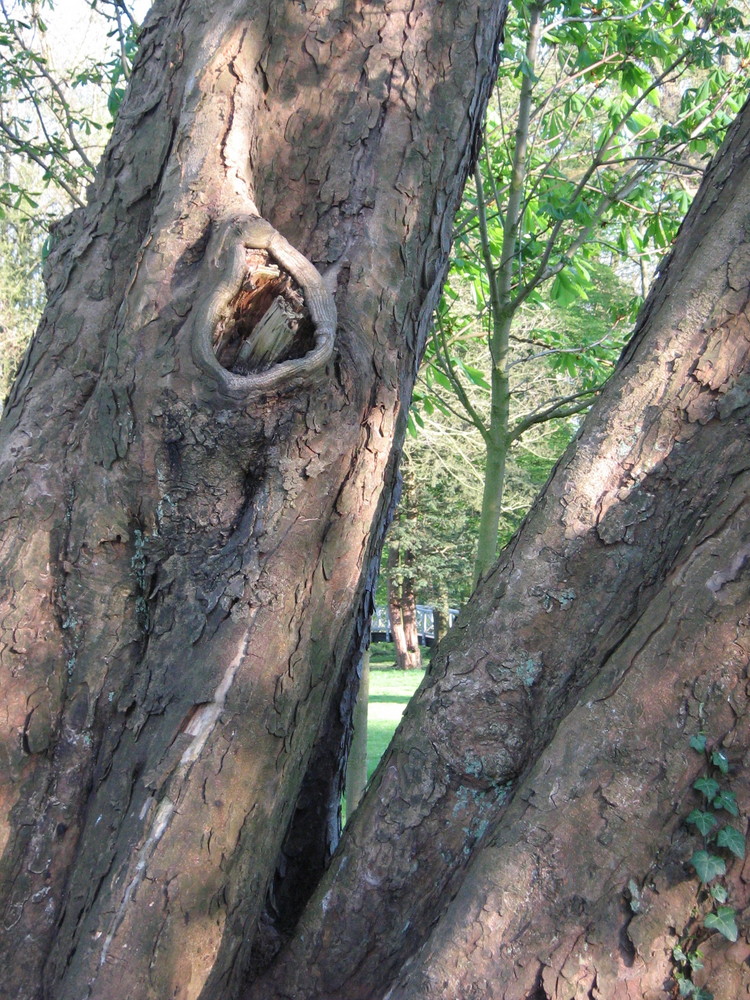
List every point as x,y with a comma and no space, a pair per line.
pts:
707,786
708,866
726,800
719,893
723,921
442,379
703,994
705,821
732,839
686,986
696,959
698,742
719,759
475,376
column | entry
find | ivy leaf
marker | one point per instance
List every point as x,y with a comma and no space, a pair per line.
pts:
719,759
678,954
719,893
707,786
698,742
687,986
732,839
696,959
723,921
703,820
726,800
703,994
708,866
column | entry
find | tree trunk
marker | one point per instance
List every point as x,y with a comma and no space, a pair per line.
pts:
402,611
411,624
356,764
186,550
441,615
525,836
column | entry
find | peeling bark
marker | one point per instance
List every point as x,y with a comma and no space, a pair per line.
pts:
184,571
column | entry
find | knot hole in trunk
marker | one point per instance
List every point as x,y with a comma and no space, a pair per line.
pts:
267,321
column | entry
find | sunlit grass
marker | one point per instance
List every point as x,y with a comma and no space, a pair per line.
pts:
390,691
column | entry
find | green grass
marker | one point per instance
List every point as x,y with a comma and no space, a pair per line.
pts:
390,690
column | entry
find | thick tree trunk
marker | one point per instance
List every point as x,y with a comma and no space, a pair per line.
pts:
185,552
402,612
541,776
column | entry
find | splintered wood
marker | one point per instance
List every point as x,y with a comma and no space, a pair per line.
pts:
267,322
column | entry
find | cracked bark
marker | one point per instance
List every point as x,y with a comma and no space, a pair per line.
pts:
185,574
544,763
184,577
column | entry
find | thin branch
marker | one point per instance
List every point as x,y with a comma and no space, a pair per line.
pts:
597,20
23,148
442,352
548,352
555,411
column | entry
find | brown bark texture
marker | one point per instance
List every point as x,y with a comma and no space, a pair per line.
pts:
183,569
524,837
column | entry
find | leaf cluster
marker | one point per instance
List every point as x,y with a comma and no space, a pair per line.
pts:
601,122
721,840
50,115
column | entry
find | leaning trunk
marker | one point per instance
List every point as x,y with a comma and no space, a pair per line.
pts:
191,520
524,836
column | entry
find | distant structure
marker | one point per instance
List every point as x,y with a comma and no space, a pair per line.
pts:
381,624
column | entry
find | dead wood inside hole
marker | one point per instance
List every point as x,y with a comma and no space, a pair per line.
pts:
267,320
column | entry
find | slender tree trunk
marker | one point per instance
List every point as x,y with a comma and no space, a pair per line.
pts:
402,598
186,551
356,765
542,774
501,276
411,625
395,613
441,615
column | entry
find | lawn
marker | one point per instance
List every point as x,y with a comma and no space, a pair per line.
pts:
390,690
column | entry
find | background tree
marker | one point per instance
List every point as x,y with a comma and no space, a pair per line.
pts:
53,108
448,455
57,103
593,148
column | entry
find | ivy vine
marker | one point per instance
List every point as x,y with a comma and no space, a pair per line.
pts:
720,841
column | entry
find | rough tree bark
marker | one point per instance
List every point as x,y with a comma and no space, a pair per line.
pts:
185,555
524,837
